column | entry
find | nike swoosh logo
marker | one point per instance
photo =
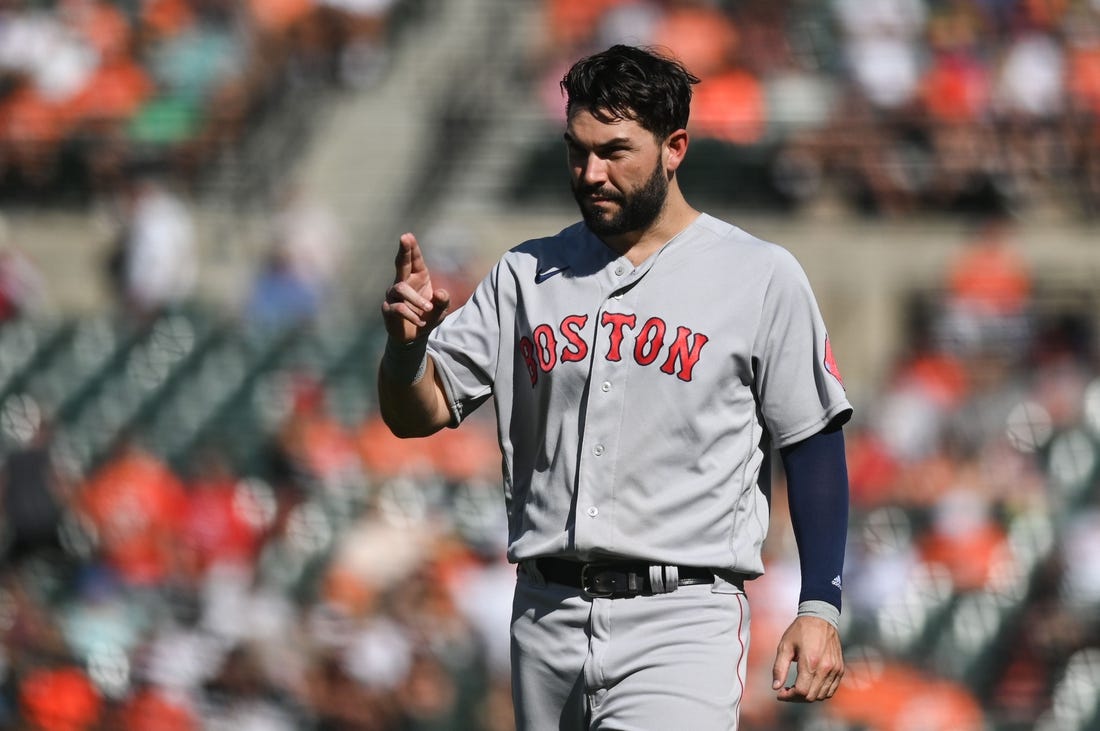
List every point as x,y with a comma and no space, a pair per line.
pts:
545,274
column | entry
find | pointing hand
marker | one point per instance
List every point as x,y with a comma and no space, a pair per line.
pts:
412,308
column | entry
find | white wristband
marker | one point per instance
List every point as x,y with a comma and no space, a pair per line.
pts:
821,610
405,362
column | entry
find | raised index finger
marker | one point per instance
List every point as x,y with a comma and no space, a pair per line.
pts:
409,259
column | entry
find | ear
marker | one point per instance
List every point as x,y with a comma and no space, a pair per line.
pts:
675,148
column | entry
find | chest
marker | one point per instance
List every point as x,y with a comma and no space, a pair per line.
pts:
659,327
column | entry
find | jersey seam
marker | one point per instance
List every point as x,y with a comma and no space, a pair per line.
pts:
742,490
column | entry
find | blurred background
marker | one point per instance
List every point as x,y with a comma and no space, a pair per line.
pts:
205,525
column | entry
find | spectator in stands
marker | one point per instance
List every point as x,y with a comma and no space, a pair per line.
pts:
430,695
216,528
965,537
116,89
158,257
339,700
882,48
988,292
1029,99
312,443
45,65
955,100
729,105
60,698
280,299
242,695
136,504
628,22
1029,82
33,495
307,233
362,26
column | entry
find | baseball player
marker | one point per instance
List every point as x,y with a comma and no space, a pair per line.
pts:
644,364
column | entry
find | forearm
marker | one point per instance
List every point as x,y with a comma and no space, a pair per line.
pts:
411,399
817,493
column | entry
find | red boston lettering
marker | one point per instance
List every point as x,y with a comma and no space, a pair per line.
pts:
571,328
650,340
617,321
527,350
684,353
546,347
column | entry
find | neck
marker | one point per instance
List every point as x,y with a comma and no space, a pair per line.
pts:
637,246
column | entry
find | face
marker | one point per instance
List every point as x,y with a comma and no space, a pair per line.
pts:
618,174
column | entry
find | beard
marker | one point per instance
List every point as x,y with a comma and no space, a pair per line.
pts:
635,210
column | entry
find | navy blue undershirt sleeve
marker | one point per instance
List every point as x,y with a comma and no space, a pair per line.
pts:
817,493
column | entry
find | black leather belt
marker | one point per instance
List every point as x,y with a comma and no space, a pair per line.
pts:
614,579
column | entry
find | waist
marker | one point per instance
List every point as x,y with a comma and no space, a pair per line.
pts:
614,579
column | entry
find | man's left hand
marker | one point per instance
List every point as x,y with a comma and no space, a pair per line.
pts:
815,645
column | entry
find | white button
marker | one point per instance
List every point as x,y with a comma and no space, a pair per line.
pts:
618,295
597,450
593,511
606,386
619,270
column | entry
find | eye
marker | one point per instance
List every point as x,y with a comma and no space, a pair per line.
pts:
614,152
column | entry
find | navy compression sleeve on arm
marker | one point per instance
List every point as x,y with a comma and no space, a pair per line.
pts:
817,493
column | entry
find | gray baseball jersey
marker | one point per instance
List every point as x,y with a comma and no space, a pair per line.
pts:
637,406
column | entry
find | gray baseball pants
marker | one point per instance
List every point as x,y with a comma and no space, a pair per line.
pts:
643,663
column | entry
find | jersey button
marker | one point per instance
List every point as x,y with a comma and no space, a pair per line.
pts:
605,386
597,450
619,270
593,511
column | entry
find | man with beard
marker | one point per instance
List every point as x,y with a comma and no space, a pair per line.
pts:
644,364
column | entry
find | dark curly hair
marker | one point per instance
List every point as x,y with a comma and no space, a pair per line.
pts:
627,82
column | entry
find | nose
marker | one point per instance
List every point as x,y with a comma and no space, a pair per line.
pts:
593,170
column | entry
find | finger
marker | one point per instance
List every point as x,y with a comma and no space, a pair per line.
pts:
781,667
403,311
441,298
404,292
804,690
806,683
834,686
409,259
818,683
837,679
790,695
825,682
441,304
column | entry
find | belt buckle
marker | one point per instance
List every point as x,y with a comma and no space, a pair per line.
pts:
602,581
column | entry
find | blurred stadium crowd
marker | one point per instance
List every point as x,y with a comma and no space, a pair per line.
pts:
92,91
206,526
900,105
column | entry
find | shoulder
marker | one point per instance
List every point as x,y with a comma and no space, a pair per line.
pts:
560,249
737,247
569,237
